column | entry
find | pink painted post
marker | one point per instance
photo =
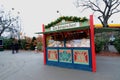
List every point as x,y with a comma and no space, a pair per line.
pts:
44,44
92,44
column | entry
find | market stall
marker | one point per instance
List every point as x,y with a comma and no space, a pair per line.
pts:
69,43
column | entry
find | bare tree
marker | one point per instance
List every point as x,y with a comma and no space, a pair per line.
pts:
9,23
106,8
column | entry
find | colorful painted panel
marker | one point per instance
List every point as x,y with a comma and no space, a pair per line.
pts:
81,57
52,55
65,55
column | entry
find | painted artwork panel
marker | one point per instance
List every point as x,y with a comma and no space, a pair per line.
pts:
65,55
81,57
52,55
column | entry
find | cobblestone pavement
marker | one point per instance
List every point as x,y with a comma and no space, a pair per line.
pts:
28,65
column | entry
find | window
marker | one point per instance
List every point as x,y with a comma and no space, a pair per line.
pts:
51,42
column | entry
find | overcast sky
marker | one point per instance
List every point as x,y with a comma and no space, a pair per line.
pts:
34,13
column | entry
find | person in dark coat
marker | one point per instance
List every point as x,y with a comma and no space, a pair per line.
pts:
13,46
16,47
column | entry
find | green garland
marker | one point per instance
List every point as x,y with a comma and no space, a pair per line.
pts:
66,18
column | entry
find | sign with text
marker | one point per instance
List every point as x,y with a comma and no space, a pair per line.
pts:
65,26
52,55
81,57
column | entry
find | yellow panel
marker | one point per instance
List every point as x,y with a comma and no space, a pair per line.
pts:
110,25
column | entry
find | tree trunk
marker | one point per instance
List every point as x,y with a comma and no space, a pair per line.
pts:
105,23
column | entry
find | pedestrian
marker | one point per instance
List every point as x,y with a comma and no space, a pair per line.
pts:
16,46
13,46
36,49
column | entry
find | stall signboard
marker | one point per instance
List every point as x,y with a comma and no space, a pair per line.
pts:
65,26
65,55
52,55
81,57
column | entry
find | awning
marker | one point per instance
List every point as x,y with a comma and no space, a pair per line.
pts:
99,30
64,30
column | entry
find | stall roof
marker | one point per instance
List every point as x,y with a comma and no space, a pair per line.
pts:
64,30
99,30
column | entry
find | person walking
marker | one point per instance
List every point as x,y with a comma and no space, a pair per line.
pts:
16,46
13,46
36,49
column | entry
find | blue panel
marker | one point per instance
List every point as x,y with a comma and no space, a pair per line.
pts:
72,65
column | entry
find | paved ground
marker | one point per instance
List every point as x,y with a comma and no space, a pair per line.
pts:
112,48
29,66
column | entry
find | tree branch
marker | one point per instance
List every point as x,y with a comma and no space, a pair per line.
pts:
92,6
105,7
113,9
106,3
115,12
100,19
95,5
114,2
117,4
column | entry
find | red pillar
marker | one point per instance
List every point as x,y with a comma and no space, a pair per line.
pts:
92,44
44,44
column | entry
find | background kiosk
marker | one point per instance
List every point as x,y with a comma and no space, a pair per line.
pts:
69,43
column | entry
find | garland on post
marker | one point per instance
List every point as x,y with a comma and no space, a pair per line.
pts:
66,18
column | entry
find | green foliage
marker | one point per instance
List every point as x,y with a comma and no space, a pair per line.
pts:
39,46
7,43
66,18
32,47
117,44
98,45
23,43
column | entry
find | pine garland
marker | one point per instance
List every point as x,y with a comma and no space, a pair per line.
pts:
66,18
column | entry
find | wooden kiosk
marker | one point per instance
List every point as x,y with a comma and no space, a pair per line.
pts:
69,43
